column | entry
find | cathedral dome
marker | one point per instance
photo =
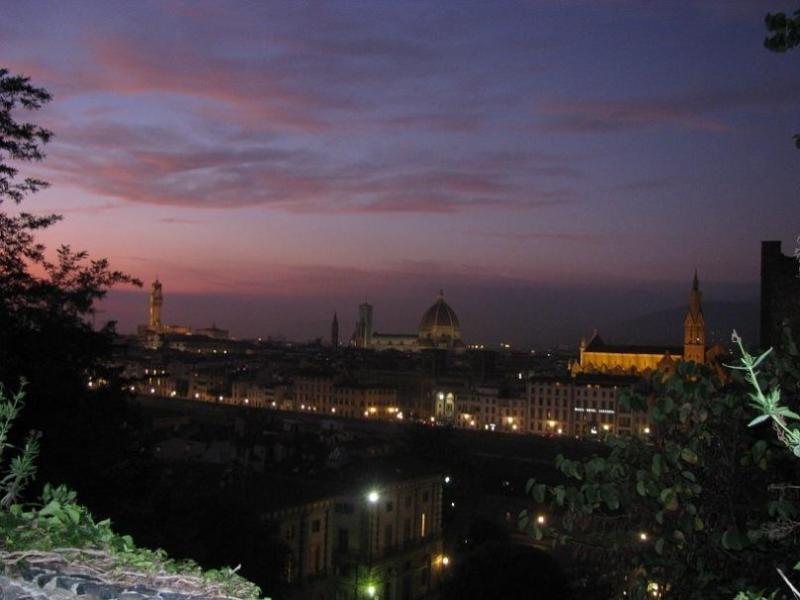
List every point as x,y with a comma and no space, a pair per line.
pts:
440,322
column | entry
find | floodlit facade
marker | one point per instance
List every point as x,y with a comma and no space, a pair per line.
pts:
382,541
439,329
596,356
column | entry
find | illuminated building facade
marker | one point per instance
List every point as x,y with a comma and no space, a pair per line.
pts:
325,394
153,334
383,541
156,302
581,406
596,356
439,329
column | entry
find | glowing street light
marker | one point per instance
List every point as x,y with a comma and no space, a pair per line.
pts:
373,497
447,478
445,560
540,519
643,536
371,591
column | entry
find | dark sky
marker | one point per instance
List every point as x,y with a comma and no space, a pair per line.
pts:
297,157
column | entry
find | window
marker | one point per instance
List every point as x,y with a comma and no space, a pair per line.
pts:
344,540
315,526
389,506
425,496
407,530
289,532
388,534
343,508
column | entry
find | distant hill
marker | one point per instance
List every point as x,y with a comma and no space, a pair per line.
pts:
666,326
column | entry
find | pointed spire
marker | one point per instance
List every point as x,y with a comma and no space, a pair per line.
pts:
695,283
441,294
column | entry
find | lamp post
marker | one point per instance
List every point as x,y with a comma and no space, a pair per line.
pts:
373,497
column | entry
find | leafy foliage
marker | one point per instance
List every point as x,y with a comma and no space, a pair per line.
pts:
697,510
60,525
48,299
784,34
784,31
22,467
19,141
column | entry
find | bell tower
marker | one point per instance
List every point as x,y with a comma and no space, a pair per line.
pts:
335,332
694,327
156,300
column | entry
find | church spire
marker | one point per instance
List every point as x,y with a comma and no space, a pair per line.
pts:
335,332
694,326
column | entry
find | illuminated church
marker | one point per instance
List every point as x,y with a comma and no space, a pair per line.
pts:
439,329
598,357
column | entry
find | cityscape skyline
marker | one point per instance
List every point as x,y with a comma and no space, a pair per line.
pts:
288,158
399,300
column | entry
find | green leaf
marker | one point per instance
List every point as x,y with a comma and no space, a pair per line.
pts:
529,485
731,540
657,465
689,456
51,509
73,512
659,546
669,498
641,489
522,520
757,420
761,358
788,413
538,493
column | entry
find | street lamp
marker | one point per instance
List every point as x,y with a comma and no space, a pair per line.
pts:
373,496
371,591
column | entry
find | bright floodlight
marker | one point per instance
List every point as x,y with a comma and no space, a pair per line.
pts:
373,496
445,561
371,591
447,478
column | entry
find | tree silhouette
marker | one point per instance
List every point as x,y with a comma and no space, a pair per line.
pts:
784,34
46,300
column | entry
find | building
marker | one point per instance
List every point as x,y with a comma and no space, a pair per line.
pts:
335,332
326,394
377,538
582,406
579,406
439,329
153,334
362,336
780,293
596,356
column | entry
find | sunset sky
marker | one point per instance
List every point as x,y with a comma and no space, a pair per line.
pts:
273,162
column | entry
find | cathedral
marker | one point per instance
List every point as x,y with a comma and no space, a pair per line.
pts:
598,357
439,329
